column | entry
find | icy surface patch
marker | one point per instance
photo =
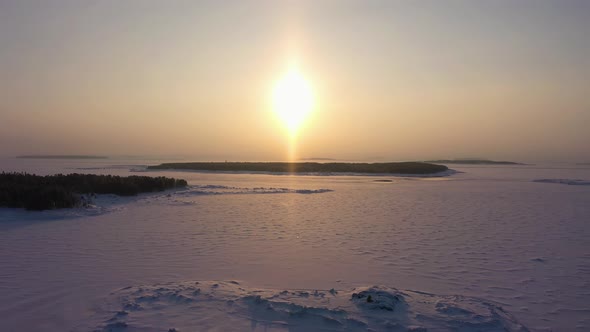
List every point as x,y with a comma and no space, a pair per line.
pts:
210,189
186,196
227,305
189,195
571,182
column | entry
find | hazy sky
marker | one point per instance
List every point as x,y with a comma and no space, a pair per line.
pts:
396,80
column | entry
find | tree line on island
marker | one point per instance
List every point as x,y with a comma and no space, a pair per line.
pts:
35,192
420,168
473,162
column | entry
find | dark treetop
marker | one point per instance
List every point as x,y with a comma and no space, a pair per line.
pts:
309,167
34,192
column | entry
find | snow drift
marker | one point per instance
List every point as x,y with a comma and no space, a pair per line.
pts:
228,305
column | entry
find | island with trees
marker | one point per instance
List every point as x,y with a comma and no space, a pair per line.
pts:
473,162
418,168
35,192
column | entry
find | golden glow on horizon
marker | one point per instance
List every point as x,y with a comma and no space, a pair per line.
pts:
292,100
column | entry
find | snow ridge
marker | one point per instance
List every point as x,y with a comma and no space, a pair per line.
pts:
228,305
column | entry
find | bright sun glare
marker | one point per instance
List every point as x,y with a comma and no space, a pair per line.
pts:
292,99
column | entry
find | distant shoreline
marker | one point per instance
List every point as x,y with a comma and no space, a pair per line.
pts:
473,162
61,157
414,168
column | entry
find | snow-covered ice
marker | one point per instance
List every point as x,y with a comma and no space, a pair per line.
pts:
487,248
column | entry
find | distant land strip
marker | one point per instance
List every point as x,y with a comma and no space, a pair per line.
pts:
308,167
33,156
473,162
317,159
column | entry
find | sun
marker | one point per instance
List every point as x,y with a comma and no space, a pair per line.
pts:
292,99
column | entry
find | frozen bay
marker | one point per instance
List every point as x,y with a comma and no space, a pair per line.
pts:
494,233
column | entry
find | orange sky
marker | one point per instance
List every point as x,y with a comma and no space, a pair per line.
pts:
392,80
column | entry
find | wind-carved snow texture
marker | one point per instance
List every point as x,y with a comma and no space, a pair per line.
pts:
571,182
227,305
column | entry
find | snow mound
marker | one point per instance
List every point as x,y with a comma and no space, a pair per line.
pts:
571,182
227,305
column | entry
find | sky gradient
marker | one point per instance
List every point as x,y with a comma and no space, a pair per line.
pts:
392,80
